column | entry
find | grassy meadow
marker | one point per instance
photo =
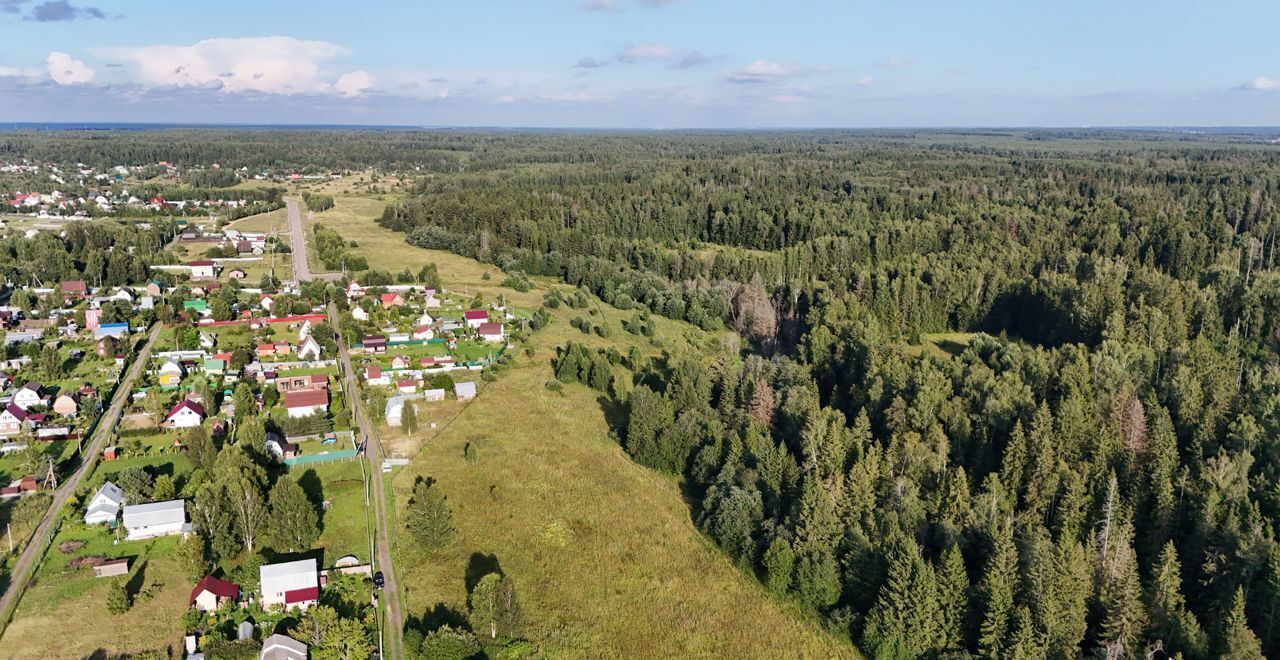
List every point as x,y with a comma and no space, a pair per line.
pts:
606,558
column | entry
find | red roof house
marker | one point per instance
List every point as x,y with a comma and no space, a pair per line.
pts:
210,593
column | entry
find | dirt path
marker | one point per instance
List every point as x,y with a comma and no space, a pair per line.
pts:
106,424
390,594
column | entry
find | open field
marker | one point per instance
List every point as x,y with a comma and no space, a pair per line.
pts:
263,222
605,556
942,344
64,613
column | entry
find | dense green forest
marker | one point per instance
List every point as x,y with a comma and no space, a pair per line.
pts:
1086,465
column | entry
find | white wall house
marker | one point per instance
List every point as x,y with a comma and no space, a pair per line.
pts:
185,415
145,521
11,419
105,505
309,349
28,395
290,584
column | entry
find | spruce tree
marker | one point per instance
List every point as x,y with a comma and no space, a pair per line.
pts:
1236,640
1171,622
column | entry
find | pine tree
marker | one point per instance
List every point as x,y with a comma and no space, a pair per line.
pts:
907,616
1171,622
997,593
1236,640
117,597
779,564
1119,594
953,598
428,518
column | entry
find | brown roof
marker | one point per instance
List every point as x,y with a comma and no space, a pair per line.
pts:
305,398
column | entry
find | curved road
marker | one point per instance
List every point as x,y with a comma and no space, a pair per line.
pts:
298,245
31,554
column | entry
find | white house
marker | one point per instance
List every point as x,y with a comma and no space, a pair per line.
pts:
491,332
290,584
266,301
426,319
105,505
309,349
354,290
373,376
465,391
475,317
145,521
304,403
433,395
202,270
187,414
305,330
11,419
424,332
28,396
359,314
280,647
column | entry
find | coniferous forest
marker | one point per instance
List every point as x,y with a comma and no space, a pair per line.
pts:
1010,395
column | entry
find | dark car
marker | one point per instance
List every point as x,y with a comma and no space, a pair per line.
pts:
378,580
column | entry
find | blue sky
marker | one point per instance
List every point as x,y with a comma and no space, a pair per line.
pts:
643,63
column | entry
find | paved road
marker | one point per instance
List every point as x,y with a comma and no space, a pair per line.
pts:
373,452
298,245
30,556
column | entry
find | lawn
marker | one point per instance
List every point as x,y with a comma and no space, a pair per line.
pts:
277,220
63,614
344,526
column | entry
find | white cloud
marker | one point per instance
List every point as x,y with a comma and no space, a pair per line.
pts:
354,83
274,65
575,97
1262,83
644,52
897,61
760,71
506,100
865,81
67,71
600,5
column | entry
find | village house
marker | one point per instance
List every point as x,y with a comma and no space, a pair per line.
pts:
407,385
115,330
290,584
436,394
282,647
202,270
29,395
390,299
309,349
373,376
19,487
210,593
474,318
170,374
491,332
306,402
106,346
424,333
67,404
11,420
266,301
374,344
74,289
359,314
399,362
279,447
145,521
286,383
187,414
155,288
104,506
354,290
465,391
